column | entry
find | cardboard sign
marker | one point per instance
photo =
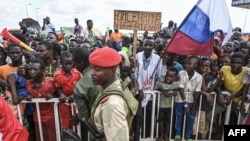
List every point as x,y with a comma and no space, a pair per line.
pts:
137,20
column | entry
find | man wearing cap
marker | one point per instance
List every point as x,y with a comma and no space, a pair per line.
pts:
115,107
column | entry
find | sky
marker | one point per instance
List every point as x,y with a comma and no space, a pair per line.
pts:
63,12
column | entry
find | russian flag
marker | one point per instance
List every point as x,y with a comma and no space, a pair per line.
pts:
195,34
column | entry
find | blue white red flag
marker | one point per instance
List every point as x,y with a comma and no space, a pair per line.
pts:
195,34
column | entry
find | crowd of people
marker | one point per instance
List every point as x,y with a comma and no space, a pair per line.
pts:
108,84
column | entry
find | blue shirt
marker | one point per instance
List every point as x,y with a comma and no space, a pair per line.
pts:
21,85
22,91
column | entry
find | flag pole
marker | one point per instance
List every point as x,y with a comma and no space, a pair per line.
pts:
134,49
161,56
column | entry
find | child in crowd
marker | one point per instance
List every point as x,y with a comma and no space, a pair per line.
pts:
127,83
232,82
207,89
17,88
66,79
28,55
17,82
185,103
125,77
40,86
220,105
168,89
224,60
228,47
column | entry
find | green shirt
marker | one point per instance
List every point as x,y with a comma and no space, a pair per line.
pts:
166,102
125,49
85,94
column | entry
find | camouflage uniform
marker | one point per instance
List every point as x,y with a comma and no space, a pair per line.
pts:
113,112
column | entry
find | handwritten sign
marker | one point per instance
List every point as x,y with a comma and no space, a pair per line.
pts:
137,20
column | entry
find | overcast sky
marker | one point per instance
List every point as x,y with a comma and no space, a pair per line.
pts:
63,12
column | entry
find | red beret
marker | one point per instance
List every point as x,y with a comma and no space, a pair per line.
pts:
105,57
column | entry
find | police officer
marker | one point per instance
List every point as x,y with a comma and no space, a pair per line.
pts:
114,109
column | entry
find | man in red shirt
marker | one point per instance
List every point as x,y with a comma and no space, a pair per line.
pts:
42,87
66,79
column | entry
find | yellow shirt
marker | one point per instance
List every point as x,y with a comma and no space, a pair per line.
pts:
233,82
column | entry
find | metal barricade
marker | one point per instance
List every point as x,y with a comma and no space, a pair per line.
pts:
152,93
37,101
155,114
212,116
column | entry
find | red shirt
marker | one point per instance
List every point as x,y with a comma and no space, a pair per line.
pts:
67,83
10,127
48,87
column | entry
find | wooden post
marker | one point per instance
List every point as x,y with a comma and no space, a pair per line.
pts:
134,49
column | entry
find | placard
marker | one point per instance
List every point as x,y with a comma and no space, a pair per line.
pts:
137,20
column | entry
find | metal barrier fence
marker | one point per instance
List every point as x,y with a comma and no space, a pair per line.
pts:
155,114
55,101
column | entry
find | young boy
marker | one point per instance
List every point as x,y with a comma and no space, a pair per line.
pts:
168,89
232,82
224,60
42,87
66,79
17,82
208,85
17,92
185,103
125,77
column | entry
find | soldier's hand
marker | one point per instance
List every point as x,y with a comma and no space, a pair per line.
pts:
75,120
